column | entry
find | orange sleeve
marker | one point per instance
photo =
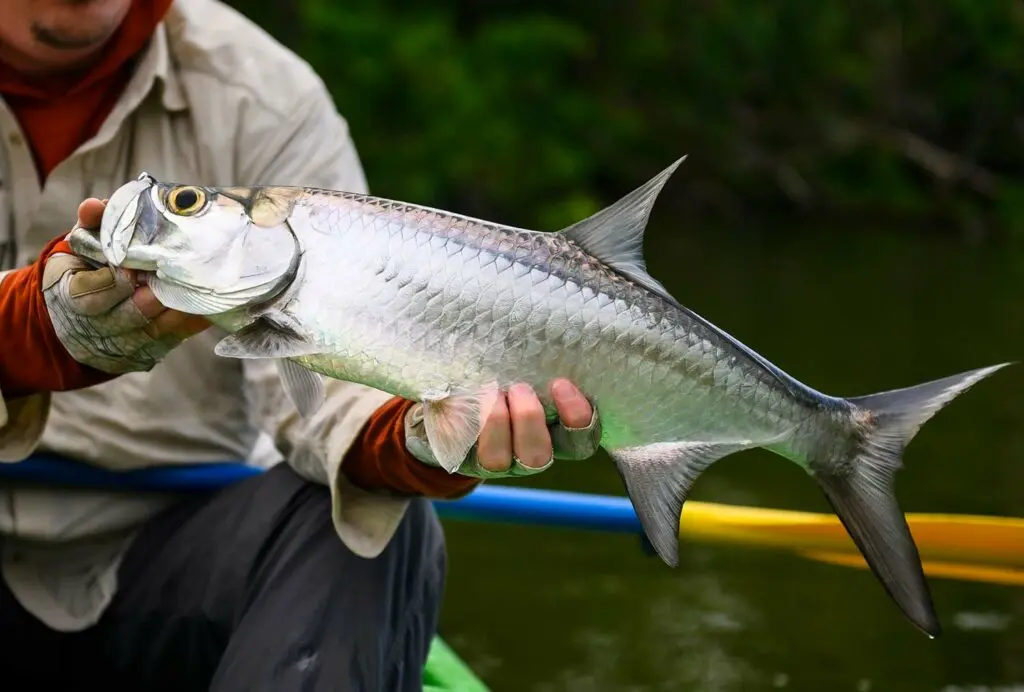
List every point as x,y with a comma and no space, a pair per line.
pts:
32,358
379,460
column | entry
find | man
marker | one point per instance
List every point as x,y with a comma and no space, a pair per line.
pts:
324,573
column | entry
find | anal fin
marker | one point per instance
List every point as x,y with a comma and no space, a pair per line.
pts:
658,477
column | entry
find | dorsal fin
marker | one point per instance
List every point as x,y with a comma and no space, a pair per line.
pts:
615,235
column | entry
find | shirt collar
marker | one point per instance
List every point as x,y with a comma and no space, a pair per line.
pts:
157,62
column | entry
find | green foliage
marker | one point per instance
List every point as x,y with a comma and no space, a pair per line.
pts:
537,113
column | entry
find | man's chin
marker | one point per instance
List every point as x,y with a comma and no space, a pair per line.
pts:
72,40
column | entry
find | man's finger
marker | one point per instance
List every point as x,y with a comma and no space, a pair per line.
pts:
90,213
531,441
573,408
95,291
494,447
147,303
176,324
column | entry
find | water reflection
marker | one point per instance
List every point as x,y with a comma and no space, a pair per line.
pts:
692,632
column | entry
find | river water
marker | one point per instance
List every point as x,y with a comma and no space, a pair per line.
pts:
544,610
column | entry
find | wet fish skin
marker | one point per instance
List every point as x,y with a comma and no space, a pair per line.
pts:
436,307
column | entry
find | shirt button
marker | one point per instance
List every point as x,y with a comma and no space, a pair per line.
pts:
15,139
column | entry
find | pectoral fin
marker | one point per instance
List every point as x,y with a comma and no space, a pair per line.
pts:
267,337
303,387
658,477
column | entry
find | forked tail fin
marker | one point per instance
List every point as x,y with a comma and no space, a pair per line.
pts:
860,489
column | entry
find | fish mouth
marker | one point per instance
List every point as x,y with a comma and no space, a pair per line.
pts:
130,211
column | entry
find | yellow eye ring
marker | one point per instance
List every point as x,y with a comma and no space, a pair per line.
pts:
185,201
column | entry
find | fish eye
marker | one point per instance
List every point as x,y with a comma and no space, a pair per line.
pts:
185,201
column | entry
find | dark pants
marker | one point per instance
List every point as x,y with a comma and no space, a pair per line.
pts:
251,590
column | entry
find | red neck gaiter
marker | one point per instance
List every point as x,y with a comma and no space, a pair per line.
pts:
58,117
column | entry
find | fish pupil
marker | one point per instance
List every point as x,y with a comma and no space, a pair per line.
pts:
186,199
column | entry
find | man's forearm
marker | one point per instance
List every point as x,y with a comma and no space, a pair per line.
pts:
32,358
380,460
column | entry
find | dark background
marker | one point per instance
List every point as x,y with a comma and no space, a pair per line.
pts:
851,207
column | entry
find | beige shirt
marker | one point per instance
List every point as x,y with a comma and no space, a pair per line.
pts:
214,101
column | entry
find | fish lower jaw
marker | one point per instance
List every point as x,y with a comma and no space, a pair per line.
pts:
146,266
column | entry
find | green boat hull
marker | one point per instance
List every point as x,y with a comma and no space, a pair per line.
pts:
446,672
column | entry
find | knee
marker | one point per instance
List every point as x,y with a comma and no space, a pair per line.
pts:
413,564
417,546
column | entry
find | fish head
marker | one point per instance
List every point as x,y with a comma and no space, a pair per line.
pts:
205,249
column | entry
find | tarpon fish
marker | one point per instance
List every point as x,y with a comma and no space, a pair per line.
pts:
438,307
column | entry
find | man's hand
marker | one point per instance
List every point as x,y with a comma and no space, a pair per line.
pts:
516,438
103,317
